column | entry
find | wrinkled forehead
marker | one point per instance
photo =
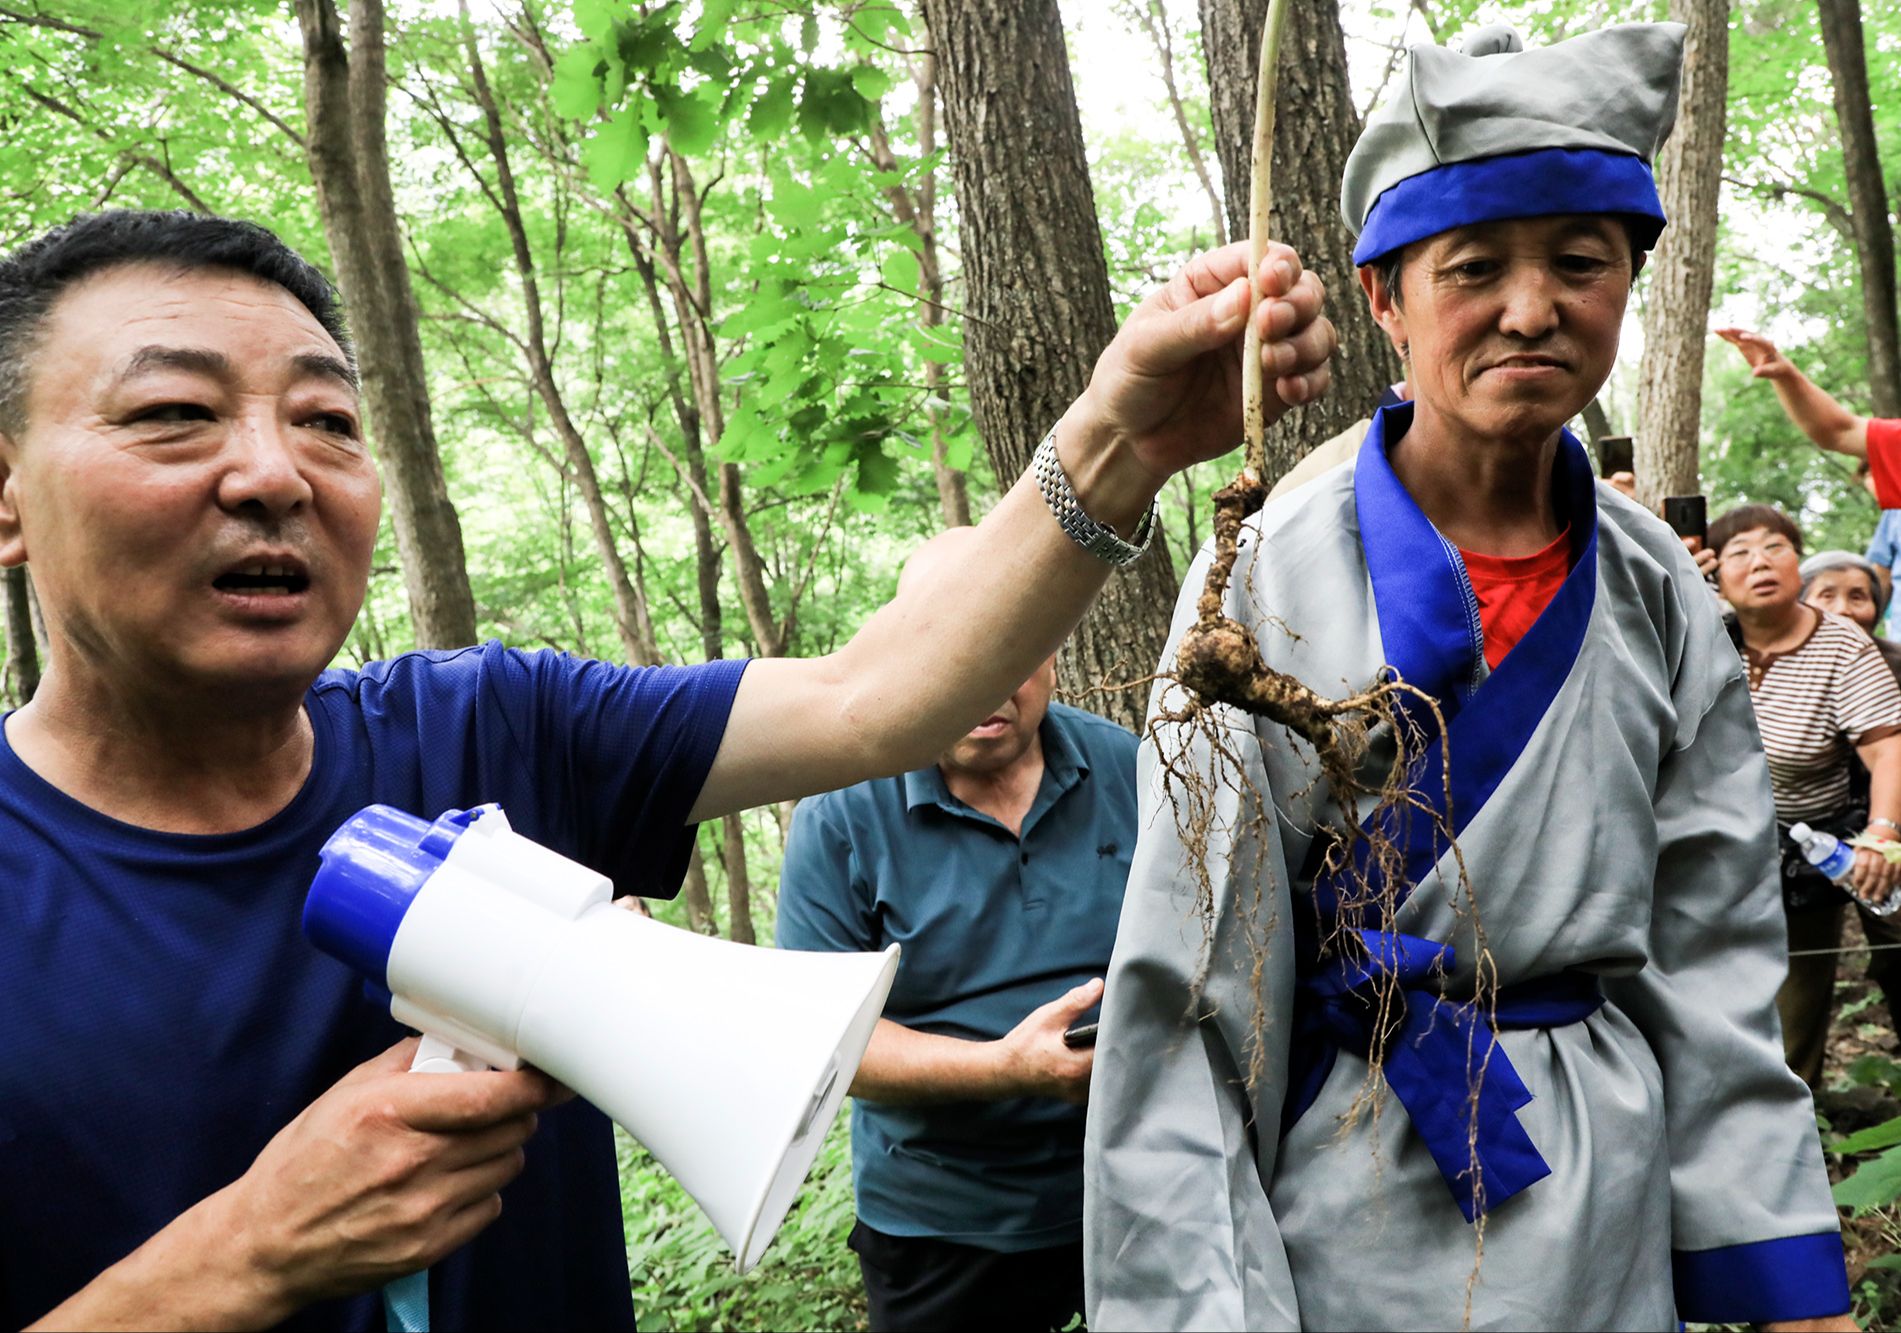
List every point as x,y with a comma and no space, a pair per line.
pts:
1847,579
1548,233
136,318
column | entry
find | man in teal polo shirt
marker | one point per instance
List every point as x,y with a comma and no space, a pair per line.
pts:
1000,871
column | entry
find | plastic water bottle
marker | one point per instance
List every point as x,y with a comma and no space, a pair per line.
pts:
1836,859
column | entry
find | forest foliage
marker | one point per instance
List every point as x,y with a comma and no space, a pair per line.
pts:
746,276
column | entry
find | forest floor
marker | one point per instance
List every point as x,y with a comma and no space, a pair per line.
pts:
1860,1088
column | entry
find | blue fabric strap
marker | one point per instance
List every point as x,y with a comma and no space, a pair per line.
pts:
406,1303
1441,1059
1794,1277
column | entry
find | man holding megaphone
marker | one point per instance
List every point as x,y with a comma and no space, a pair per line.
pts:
202,1119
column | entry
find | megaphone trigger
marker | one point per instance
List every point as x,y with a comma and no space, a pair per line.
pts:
436,1056
728,1062
818,1099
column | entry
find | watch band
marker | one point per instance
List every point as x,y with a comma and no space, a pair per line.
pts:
1095,538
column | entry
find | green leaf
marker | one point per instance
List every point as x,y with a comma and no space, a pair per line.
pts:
871,82
794,206
901,269
576,86
941,344
958,451
596,18
618,149
691,124
1877,1183
877,474
808,34
772,112
714,17
1885,1135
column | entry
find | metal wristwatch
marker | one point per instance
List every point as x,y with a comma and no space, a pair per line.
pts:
1095,538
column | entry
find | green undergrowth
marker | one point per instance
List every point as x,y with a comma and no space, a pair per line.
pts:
683,1273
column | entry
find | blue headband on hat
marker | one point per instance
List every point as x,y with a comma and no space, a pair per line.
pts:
1542,183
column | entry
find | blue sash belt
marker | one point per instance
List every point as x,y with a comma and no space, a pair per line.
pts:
1438,1053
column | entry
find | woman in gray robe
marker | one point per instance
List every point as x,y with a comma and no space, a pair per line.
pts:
1615,1113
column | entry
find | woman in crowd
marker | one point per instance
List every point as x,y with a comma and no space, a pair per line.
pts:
1823,694
1850,586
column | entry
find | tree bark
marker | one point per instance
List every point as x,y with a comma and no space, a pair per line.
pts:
1867,199
1315,127
918,210
632,617
1037,294
1597,422
23,656
1152,16
699,903
739,928
344,103
1682,269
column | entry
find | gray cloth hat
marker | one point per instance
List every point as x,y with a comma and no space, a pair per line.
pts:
1498,131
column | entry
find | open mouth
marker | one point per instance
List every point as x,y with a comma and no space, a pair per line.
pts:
263,579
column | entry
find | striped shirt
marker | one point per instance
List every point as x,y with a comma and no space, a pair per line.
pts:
1815,703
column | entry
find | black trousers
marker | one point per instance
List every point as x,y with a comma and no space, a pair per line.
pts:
920,1284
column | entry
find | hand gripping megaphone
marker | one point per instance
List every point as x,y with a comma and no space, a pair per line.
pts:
503,953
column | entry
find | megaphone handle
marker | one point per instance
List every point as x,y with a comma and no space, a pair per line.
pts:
406,1300
436,1056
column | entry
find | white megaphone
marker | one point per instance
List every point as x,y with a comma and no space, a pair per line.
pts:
503,953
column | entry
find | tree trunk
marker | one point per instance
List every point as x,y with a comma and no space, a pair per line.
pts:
23,656
1597,422
632,617
1037,293
1152,16
1315,127
1867,198
1682,269
738,881
699,903
918,210
349,163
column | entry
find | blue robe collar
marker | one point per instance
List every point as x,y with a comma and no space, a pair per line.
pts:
1442,1062
1429,622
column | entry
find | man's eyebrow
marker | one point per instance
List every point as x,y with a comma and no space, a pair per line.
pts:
211,362
153,356
327,367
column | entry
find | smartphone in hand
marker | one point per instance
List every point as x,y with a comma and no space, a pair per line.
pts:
1081,1036
1687,515
1615,453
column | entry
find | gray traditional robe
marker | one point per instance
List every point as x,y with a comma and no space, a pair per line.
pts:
1627,845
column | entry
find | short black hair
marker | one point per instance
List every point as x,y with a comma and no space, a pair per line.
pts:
1733,523
34,276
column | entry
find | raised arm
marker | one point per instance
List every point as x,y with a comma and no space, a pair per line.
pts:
928,666
1814,411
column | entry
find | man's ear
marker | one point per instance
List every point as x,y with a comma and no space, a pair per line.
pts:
1386,310
12,539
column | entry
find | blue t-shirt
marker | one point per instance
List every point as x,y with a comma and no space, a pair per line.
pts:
162,1016
991,928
